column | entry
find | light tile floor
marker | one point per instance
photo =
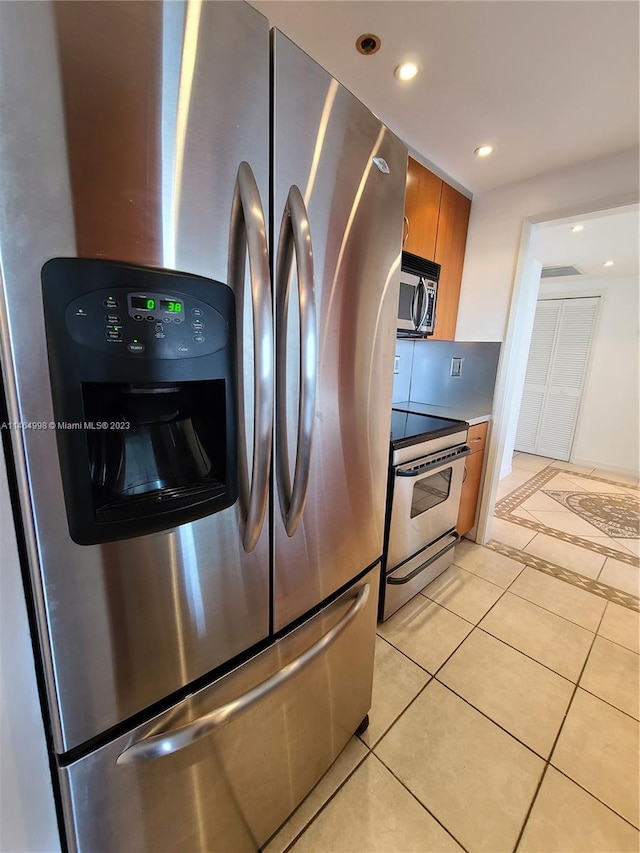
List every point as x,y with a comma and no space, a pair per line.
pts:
506,698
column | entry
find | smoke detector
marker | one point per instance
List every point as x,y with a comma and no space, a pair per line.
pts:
368,44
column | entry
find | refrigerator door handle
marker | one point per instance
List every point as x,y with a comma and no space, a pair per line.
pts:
248,234
167,743
295,234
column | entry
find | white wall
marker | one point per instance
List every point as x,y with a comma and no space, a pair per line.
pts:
608,429
497,299
27,812
495,231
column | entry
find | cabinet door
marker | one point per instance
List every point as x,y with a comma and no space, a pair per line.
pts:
450,245
422,204
470,492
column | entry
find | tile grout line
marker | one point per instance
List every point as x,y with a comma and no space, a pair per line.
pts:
547,761
555,743
576,685
419,801
322,807
534,562
597,799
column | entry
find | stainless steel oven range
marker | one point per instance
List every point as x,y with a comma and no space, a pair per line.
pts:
425,482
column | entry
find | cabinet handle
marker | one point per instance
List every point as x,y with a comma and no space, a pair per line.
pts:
406,234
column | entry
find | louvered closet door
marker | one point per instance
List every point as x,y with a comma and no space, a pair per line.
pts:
545,327
562,333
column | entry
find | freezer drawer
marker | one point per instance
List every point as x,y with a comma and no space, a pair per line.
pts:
224,768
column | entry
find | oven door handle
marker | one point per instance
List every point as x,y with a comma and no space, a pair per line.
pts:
434,463
427,563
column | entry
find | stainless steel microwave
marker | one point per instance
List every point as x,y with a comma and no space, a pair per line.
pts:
418,296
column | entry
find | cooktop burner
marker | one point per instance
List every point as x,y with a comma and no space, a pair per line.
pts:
408,428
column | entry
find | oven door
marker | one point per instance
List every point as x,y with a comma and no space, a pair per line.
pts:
426,496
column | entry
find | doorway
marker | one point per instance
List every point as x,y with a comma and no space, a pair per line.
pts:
515,350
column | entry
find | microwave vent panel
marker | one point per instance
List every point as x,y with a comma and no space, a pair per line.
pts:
416,265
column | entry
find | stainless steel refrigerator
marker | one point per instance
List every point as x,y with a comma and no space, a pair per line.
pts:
200,247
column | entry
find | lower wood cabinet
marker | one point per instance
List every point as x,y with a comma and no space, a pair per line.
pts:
476,440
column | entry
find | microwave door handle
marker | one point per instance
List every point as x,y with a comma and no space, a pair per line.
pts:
248,235
414,307
295,236
166,743
425,304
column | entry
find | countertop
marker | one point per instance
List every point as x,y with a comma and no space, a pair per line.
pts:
471,416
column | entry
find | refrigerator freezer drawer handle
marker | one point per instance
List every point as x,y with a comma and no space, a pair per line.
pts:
295,234
247,233
166,743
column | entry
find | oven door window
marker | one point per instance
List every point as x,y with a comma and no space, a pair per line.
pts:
430,491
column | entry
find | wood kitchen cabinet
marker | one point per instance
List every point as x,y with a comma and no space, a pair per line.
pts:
451,241
421,210
476,440
437,219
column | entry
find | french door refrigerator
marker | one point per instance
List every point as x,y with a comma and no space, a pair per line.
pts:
200,249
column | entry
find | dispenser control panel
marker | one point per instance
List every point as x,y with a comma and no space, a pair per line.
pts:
150,324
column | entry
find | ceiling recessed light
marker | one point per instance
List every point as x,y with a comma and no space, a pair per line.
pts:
407,71
608,263
483,151
577,228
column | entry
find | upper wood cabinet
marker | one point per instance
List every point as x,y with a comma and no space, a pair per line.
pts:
451,241
437,220
421,207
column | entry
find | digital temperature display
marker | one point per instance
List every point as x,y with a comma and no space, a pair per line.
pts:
171,306
143,302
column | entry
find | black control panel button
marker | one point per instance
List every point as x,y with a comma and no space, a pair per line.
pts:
197,325
138,317
159,327
166,319
197,312
111,303
114,336
150,318
136,347
112,319
199,339
177,319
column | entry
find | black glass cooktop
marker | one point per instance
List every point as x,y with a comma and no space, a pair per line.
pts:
408,428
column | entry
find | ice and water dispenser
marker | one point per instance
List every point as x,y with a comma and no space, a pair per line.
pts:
142,365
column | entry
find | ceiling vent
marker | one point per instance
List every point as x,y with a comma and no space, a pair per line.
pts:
559,272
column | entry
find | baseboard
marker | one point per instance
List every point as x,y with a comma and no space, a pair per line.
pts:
615,469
